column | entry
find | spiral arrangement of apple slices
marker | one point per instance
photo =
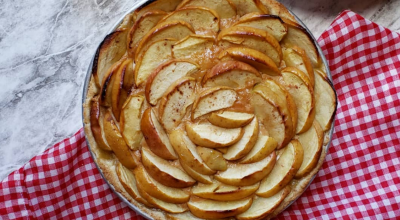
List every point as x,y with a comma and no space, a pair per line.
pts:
211,109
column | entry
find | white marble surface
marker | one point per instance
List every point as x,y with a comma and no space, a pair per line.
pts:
46,47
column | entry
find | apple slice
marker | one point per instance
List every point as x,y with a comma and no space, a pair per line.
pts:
264,146
224,8
95,126
248,6
128,181
158,190
299,36
233,74
201,18
252,38
210,209
166,30
106,90
130,121
212,158
187,153
166,206
276,8
229,119
182,216
117,143
164,172
165,5
271,23
296,57
325,100
176,99
284,170
208,135
300,88
262,207
193,45
213,99
246,143
143,25
164,76
118,94
206,179
311,141
247,174
222,192
275,110
155,136
255,58
157,53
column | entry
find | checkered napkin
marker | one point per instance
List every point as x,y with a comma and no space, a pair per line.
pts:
360,178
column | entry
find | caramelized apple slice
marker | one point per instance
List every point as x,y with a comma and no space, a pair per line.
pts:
264,146
155,136
222,192
212,158
229,119
246,143
248,6
247,174
210,209
193,45
165,5
164,76
325,100
206,179
276,8
95,125
208,135
233,74
176,99
213,99
130,121
224,8
162,171
118,94
297,57
201,18
284,170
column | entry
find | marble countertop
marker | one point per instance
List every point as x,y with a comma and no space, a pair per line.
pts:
46,47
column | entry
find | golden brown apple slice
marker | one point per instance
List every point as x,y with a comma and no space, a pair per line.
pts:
118,94
201,18
206,179
165,173
187,153
311,141
130,121
272,107
157,53
210,209
271,23
165,75
143,25
213,99
299,36
117,143
158,190
222,192
155,136
166,206
252,38
128,181
165,5
255,58
246,143
193,45
248,6
247,174
212,158
171,29
276,8
300,88
229,119
182,216
233,74
296,57
95,125
284,170
325,100
262,207
106,90
208,135
224,8
264,146
176,99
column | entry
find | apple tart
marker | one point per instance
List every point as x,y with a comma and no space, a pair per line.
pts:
206,109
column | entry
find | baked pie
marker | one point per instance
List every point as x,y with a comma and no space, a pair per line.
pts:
209,109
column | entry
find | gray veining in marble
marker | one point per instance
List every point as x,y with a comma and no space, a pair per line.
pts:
46,47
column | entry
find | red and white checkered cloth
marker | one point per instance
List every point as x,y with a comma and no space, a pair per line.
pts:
360,178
